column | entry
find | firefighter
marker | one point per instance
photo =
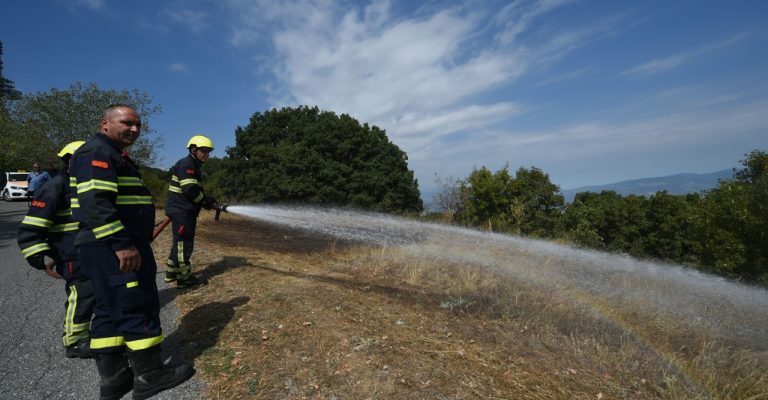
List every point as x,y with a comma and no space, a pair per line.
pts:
46,239
116,216
185,199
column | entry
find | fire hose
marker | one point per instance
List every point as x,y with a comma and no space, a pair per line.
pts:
161,225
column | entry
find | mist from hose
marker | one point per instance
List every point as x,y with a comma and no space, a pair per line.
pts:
723,308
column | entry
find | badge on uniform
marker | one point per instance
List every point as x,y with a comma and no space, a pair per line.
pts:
100,164
38,203
191,171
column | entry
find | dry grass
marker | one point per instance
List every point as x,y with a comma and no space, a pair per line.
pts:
291,316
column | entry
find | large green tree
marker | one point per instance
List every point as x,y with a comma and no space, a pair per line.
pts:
619,222
486,199
528,203
732,222
38,124
306,155
537,203
668,227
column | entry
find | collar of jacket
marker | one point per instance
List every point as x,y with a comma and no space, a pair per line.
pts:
104,138
195,160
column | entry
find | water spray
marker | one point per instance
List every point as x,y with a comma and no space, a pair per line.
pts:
723,307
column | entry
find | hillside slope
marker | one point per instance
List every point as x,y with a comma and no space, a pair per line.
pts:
292,315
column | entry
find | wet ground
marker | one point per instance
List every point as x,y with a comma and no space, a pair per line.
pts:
266,236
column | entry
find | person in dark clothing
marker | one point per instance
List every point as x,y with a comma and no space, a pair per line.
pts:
185,199
46,239
116,216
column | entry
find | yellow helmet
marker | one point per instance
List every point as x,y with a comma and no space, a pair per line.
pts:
200,141
69,149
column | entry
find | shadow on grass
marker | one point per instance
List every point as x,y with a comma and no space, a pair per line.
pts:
200,328
225,264
168,294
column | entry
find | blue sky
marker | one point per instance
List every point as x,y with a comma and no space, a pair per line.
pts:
591,92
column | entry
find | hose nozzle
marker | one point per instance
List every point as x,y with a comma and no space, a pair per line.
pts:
219,209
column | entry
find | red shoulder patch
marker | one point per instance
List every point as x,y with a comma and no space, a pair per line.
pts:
100,164
191,171
38,203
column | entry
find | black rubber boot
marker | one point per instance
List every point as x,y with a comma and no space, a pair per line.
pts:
170,276
170,271
116,377
81,349
189,282
151,376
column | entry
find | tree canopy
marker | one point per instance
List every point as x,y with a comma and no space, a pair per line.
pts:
306,155
731,224
528,203
36,126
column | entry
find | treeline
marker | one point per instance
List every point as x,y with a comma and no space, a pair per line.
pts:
723,230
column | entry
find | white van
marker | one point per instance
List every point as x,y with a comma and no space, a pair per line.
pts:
14,185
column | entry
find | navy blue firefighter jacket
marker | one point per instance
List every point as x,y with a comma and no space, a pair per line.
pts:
109,198
49,228
185,192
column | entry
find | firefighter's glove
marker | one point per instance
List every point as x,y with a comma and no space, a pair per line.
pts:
37,261
209,203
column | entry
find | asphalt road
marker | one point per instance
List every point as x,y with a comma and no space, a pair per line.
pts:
32,362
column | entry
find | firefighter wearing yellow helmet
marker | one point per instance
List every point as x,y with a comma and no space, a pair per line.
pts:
69,149
46,239
185,199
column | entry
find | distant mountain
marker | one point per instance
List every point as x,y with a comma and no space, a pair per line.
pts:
674,184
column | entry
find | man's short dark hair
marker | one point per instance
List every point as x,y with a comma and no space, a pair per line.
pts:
111,109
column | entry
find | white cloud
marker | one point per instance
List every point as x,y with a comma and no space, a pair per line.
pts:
179,67
397,70
517,17
592,138
670,62
690,98
426,132
445,123
658,65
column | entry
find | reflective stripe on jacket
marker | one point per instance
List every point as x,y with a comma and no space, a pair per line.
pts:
109,198
185,192
48,224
